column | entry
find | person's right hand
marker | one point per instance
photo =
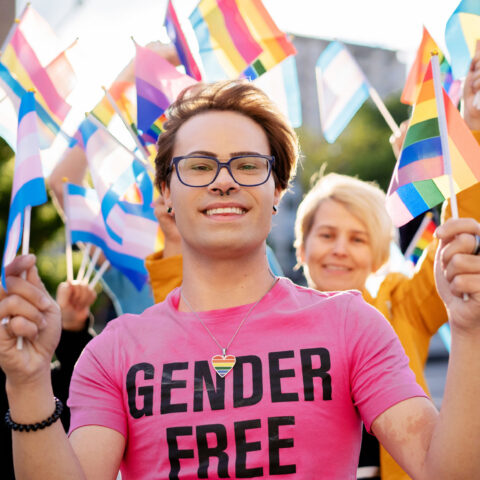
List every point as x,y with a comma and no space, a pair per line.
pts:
397,139
35,316
74,299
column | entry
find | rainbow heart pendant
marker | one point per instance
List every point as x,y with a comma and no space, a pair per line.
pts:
222,364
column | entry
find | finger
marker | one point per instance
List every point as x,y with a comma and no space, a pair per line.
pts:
462,264
465,283
455,226
15,305
32,294
20,264
464,243
22,327
34,278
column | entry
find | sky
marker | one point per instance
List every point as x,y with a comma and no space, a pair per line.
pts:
104,29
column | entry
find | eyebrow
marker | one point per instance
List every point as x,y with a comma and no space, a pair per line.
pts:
232,154
331,227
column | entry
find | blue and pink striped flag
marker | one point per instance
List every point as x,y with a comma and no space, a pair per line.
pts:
158,84
48,127
461,34
342,89
114,171
138,228
28,187
175,32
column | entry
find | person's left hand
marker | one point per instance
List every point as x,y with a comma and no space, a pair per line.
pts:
457,272
74,300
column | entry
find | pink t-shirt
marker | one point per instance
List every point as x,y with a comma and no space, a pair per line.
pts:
310,367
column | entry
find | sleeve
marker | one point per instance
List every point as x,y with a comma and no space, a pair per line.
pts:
379,373
95,389
165,274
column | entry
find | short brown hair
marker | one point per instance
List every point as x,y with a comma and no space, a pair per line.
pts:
231,95
364,200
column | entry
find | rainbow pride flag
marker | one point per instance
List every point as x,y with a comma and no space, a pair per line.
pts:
422,239
419,67
461,34
22,56
419,181
175,32
238,38
48,128
158,84
28,187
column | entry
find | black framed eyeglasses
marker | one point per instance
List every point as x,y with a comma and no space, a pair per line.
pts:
249,170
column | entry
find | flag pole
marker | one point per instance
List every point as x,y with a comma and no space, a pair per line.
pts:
83,265
442,123
423,225
100,125
139,145
68,234
27,215
383,110
93,262
99,274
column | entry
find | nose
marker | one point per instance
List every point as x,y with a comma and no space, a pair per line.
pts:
224,184
340,246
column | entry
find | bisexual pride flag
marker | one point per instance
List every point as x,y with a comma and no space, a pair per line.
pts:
28,187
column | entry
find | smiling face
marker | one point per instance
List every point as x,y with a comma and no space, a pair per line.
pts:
222,219
336,253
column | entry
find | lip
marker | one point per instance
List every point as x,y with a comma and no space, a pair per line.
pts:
225,210
331,267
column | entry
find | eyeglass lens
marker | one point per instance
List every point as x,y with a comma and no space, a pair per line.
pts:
199,171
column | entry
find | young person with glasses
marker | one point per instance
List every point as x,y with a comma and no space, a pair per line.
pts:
239,374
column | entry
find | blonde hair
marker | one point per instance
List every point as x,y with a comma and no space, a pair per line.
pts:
364,200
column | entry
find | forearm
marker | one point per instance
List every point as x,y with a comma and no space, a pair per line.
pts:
45,453
454,448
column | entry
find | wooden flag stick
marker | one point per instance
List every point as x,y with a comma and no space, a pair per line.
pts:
93,262
99,273
383,110
83,265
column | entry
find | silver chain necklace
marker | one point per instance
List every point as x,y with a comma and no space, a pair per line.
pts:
223,363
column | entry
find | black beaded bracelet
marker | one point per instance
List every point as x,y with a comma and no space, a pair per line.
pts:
35,426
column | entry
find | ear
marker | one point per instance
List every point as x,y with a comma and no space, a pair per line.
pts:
277,196
165,192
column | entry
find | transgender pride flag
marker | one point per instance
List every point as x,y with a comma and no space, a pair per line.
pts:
28,187
158,84
342,88
138,227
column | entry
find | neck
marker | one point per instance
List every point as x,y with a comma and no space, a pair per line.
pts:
210,284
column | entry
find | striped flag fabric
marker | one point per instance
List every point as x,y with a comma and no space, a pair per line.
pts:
8,121
422,239
48,127
28,187
461,34
139,231
419,67
175,32
281,85
419,181
238,38
342,89
114,171
31,37
158,84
